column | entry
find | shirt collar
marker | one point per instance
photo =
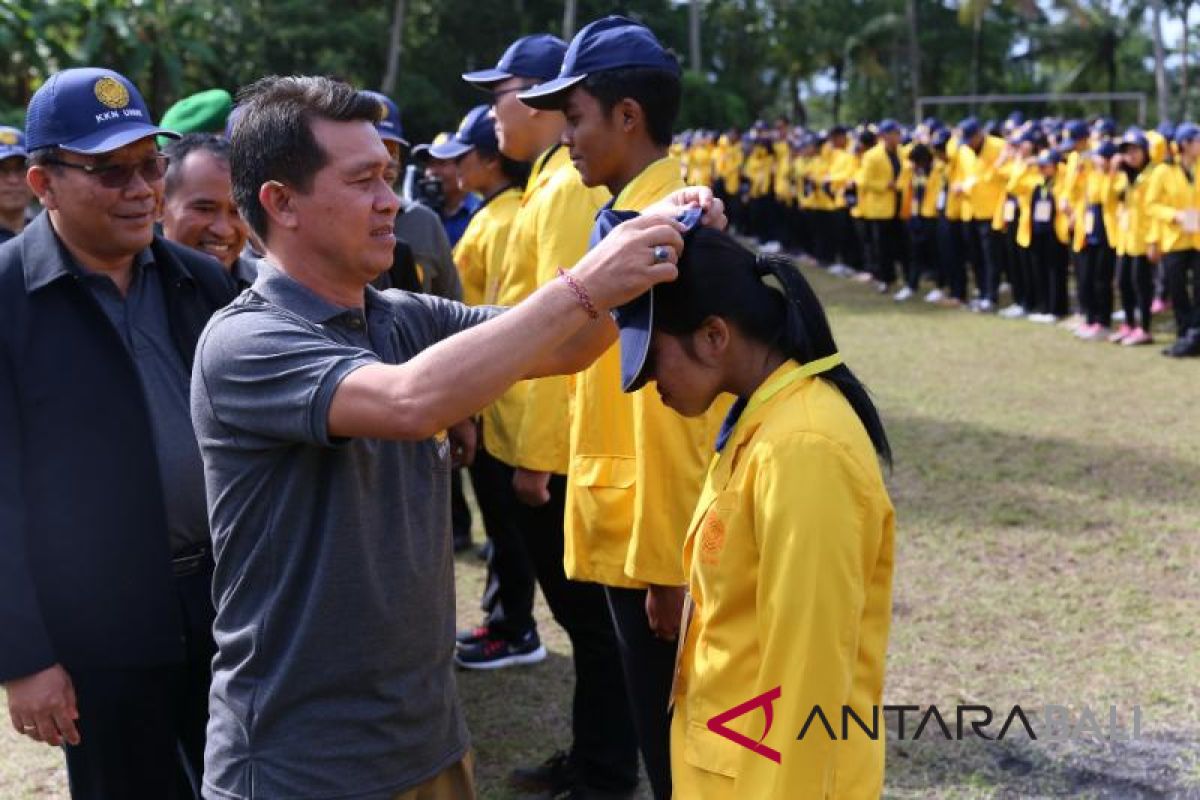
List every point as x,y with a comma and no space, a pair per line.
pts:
45,258
276,286
650,185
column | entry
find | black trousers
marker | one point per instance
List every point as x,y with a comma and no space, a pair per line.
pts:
850,238
604,752
922,233
1015,267
1182,273
885,246
950,256
508,598
1101,263
987,254
1135,279
649,664
1048,260
460,512
142,729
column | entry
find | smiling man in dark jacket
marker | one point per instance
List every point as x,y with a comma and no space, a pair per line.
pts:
105,607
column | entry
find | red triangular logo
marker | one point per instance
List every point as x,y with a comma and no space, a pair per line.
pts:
765,700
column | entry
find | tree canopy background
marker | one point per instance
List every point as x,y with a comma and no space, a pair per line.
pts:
813,61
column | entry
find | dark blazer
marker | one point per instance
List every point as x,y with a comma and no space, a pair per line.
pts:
85,573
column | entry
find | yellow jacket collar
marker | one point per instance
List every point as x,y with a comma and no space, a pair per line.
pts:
650,185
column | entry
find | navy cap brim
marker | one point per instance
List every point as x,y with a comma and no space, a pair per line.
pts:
551,95
450,150
391,137
486,78
635,321
114,137
13,152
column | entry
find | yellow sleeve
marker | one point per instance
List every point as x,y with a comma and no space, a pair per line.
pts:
563,226
1158,204
875,174
823,611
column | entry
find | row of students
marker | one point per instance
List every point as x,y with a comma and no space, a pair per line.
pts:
595,482
1035,206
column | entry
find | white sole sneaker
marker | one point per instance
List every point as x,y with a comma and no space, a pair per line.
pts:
517,659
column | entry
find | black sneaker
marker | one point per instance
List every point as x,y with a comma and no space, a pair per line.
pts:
472,635
554,776
495,653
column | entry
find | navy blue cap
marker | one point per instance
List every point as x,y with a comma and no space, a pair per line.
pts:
940,138
389,127
1186,132
888,126
1166,129
635,319
1048,157
538,56
1135,138
477,129
88,110
613,42
968,128
12,143
1106,149
1077,131
1105,127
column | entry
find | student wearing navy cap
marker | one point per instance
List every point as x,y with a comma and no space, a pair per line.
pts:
1173,199
14,191
525,446
106,577
633,480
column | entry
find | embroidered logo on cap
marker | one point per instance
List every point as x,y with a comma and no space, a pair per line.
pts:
111,92
383,111
8,137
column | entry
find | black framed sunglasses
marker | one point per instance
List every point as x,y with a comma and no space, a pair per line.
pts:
118,176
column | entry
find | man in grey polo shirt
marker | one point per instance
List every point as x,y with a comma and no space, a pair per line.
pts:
319,405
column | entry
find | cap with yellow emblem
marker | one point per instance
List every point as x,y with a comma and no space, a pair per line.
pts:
88,110
12,143
389,126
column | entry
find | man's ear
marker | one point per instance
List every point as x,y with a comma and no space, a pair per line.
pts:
39,180
279,203
628,115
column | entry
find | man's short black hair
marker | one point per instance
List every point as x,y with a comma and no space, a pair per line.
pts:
179,149
273,138
657,91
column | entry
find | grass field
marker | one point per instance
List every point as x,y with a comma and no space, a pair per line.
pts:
1048,546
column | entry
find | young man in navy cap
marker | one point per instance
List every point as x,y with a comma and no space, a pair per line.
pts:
529,451
106,575
14,191
634,479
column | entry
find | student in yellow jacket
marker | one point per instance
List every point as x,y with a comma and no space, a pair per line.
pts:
547,231
880,182
982,188
1135,272
635,468
789,554
1173,199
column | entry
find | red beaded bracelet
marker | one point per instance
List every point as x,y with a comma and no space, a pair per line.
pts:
580,293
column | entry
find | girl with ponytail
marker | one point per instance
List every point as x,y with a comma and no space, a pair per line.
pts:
789,553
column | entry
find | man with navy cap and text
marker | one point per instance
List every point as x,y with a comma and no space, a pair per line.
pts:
106,638
14,192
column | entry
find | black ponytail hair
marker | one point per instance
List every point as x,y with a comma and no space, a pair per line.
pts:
769,301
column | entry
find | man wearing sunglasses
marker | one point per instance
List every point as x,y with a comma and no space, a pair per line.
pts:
14,192
105,582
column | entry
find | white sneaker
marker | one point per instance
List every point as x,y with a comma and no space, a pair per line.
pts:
935,296
902,295
841,270
881,287
1042,319
772,247
1013,312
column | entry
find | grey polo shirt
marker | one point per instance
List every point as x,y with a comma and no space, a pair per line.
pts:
421,229
334,581
140,320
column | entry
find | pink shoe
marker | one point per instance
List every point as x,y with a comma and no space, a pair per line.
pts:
1084,330
1138,336
1097,333
1120,333
1159,306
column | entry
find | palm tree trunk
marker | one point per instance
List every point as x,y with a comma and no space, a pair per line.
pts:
838,69
569,8
392,72
914,57
1160,68
1183,70
694,34
976,47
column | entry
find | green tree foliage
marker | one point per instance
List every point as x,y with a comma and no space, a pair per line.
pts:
811,60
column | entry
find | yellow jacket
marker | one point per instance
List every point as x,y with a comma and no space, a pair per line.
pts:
728,164
842,166
555,213
789,560
879,184
985,182
1133,219
700,166
1170,192
636,466
959,159
758,170
480,252
782,181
